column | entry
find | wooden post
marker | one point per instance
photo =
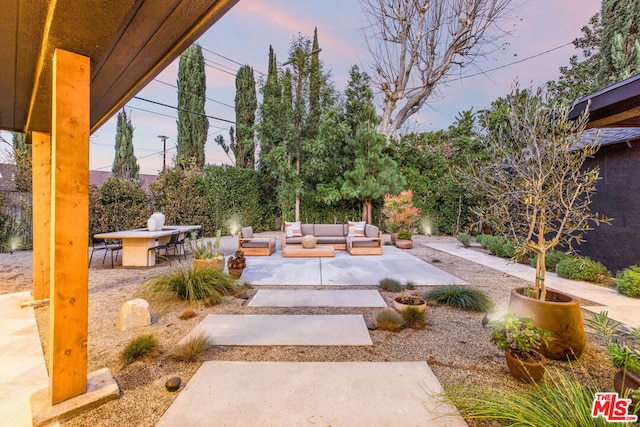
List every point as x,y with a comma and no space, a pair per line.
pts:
41,184
69,226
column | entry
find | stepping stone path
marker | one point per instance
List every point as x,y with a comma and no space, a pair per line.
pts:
307,393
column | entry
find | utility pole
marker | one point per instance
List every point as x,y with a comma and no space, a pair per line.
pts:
164,151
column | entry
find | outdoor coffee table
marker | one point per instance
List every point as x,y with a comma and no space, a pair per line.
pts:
300,252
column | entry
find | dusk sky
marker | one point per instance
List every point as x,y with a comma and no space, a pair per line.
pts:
244,34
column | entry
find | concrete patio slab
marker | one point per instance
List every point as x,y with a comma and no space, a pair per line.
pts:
22,364
257,329
310,394
318,298
344,269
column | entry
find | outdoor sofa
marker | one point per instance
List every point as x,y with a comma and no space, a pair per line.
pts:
366,242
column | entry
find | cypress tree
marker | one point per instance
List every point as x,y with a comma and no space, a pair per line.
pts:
125,165
269,129
193,125
246,105
620,44
315,81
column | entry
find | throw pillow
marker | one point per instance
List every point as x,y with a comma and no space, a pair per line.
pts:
358,229
293,229
351,225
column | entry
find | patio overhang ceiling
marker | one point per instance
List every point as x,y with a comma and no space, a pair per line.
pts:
615,106
128,42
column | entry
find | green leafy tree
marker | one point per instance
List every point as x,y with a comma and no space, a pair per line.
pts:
580,77
536,192
620,43
193,124
22,159
125,165
315,83
246,104
120,204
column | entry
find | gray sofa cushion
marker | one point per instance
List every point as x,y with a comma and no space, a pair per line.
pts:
330,240
329,230
247,233
371,231
294,240
258,243
306,229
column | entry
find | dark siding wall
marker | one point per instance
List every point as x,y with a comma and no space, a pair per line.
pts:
618,196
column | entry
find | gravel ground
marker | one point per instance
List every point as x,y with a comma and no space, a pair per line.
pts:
454,343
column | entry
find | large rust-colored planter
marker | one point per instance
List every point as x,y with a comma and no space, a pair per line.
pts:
404,244
626,380
526,371
560,314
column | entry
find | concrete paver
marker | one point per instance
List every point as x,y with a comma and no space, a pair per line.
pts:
262,329
317,298
337,394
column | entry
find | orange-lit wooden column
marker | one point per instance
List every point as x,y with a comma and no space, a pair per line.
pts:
41,184
69,226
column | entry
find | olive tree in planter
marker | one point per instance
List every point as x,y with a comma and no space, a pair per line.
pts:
536,192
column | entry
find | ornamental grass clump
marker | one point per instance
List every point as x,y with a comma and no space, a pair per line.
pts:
142,347
389,320
628,281
413,317
390,285
462,297
188,283
561,400
192,349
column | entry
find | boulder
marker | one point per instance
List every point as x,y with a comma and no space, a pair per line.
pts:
133,314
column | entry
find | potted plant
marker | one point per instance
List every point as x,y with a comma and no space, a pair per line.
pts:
404,240
403,301
236,263
535,190
399,212
520,339
205,254
623,349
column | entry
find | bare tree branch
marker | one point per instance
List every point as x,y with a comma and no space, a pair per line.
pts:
414,43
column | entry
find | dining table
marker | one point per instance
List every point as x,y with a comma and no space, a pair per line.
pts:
136,244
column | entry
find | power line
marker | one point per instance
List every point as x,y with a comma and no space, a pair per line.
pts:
209,99
230,60
509,64
184,110
139,158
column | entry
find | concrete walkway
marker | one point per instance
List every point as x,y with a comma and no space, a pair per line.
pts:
317,298
621,308
22,365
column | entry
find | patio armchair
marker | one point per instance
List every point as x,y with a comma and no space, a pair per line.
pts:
98,244
255,245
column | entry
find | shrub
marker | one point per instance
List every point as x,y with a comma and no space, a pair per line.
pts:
413,317
192,349
583,268
552,258
465,239
628,281
190,284
143,347
562,401
404,235
399,210
389,320
119,204
409,285
461,297
390,285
